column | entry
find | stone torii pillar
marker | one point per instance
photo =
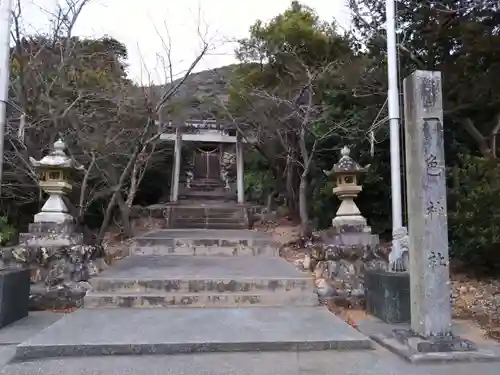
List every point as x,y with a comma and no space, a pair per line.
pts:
176,170
240,186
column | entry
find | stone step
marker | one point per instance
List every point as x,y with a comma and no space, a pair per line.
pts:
206,181
193,250
197,285
207,186
99,332
205,220
212,190
181,215
201,274
207,195
209,221
205,242
213,207
200,225
198,300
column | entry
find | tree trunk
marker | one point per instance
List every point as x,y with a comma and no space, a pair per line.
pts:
303,209
290,193
493,137
117,192
133,186
125,216
83,191
480,140
269,201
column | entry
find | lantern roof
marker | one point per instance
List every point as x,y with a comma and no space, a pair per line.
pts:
55,158
346,164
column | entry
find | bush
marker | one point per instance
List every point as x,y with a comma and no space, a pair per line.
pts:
259,180
474,212
7,231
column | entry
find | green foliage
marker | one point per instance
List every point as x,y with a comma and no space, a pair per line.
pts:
459,38
276,52
298,30
259,182
7,231
474,212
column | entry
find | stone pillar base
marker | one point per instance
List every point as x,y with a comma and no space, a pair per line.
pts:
14,295
418,349
388,296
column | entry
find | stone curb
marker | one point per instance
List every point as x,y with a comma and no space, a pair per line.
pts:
27,352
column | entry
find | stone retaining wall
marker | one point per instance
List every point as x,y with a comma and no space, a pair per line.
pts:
59,274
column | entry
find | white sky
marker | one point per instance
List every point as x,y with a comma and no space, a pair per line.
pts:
135,23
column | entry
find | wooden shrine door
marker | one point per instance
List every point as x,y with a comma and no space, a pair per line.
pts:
207,164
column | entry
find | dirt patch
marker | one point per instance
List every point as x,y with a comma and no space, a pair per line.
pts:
116,247
283,231
474,301
479,301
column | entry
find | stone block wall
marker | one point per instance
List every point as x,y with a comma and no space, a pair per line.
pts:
343,255
59,274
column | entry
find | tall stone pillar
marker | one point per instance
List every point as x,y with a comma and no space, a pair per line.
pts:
427,219
177,165
240,186
430,337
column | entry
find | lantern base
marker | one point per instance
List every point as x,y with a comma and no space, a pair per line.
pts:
350,220
53,217
54,211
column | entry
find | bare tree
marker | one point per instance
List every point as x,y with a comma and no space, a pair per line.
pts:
146,142
289,116
77,89
38,104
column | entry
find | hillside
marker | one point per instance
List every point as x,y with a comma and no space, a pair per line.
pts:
200,95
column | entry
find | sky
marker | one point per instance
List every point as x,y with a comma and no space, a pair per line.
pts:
141,25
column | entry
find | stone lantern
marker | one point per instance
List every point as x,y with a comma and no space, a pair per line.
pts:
350,249
55,176
346,173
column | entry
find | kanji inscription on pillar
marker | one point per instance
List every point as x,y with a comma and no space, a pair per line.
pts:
434,191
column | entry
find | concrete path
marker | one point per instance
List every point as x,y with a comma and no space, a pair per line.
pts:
174,331
374,362
22,330
378,362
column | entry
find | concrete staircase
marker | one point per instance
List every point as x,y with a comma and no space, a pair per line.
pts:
207,204
199,286
207,184
203,268
192,291
203,215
